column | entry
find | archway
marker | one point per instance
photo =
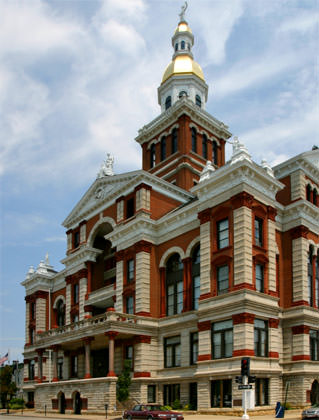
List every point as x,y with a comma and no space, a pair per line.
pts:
77,403
314,394
61,402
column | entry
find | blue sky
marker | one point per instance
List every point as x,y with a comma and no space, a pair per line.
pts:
79,78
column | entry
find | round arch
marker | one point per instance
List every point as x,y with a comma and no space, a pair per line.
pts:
191,246
56,300
61,402
169,252
97,226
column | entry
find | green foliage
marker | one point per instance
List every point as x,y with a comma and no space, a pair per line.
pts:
124,382
186,407
16,403
166,407
287,406
7,387
176,404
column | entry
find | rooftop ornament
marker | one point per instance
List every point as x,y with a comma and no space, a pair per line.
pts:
182,14
240,152
106,167
207,171
265,165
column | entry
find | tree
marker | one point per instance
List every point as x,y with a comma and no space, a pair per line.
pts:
124,382
7,387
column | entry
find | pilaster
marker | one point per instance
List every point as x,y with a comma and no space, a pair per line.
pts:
41,313
142,285
82,295
119,285
298,185
272,256
243,246
300,248
205,254
68,304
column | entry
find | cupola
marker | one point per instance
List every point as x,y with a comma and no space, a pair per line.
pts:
183,76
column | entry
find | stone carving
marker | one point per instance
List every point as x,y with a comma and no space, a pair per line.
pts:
265,165
240,152
207,171
106,167
182,14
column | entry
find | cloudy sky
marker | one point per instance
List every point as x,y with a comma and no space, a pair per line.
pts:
78,78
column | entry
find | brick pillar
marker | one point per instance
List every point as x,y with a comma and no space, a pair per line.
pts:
243,333
300,342
111,335
204,341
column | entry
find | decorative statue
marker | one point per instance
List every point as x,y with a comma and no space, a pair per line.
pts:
106,167
182,14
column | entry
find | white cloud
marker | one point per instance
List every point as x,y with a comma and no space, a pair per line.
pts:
302,22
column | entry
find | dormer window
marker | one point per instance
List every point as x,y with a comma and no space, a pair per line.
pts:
168,102
198,101
183,45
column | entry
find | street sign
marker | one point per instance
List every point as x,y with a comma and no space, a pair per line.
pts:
245,386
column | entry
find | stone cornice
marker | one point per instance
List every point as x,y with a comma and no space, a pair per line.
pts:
300,315
299,162
301,212
77,260
184,106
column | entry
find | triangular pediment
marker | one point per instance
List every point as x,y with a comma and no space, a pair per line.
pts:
105,191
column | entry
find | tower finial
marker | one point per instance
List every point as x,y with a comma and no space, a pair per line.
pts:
182,14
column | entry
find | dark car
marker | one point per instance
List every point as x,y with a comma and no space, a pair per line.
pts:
151,411
310,413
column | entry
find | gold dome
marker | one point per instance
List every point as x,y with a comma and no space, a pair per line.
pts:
182,27
183,64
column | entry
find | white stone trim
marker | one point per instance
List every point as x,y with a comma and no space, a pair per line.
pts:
108,220
169,252
191,246
60,297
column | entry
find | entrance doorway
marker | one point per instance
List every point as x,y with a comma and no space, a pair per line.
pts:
77,403
221,394
62,403
314,394
193,395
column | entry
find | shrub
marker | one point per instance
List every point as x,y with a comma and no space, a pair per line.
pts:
16,403
176,404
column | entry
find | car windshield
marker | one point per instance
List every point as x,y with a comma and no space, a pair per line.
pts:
153,408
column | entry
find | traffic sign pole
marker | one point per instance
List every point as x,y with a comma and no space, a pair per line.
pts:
245,416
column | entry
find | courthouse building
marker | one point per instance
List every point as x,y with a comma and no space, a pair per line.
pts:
183,267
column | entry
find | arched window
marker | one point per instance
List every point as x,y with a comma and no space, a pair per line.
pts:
163,148
194,140
182,93
183,45
310,276
174,285
308,192
204,146
215,157
168,102
315,197
195,277
176,46
153,156
60,313
317,281
198,100
174,140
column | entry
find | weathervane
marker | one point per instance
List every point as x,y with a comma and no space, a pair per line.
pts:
182,14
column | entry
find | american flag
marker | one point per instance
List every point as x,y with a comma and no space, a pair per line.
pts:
4,359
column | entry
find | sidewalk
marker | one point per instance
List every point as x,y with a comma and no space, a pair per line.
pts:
290,414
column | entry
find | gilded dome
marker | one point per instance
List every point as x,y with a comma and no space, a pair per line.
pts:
183,64
182,27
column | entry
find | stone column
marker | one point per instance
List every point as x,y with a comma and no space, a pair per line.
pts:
40,365
111,335
163,291
87,349
55,363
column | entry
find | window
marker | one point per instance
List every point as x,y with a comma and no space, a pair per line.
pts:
60,313
259,273
128,355
215,156
153,156
222,339
222,234
130,273
75,318
171,393
76,239
308,192
261,391
32,310
183,45
174,285
261,338
204,146
194,140
258,231
310,276
198,100
163,148
182,93
32,335
315,197
74,366
195,277
221,393
60,367
168,102
222,279
31,370
193,348
151,393
129,304
75,293
317,281
174,140
130,208
176,46
172,351
314,345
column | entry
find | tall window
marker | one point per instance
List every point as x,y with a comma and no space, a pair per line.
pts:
221,393
171,393
174,140
32,335
258,231
193,348
76,239
151,393
317,281
215,156
262,391
194,140
130,270
222,234
198,100
172,351
129,304
222,339
153,156
130,207
163,148
168,101
222,279
183,45
259,274
195,277
60,313
308,192
32,310
261,338
31,370
204,146
174,285
128,354
314,345
60,367
75,293
310,276
315,197
74,366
